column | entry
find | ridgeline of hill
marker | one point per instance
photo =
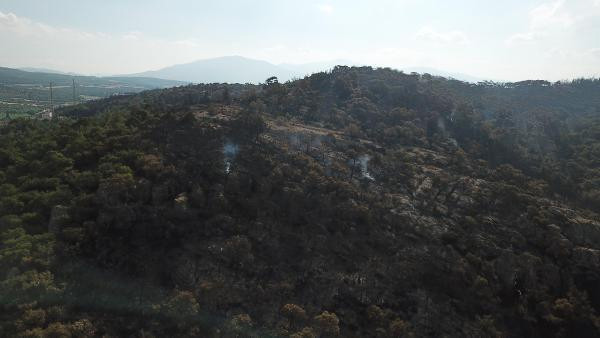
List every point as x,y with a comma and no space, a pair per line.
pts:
357,203
238,69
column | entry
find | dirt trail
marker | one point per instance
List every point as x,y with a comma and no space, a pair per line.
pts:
294,127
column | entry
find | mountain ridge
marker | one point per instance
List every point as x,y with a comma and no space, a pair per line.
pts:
17,76
239,69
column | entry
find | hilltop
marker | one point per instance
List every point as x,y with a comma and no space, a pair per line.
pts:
358,202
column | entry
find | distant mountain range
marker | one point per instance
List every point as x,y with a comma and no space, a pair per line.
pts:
10,76
231,69
237,69
46,70
234,69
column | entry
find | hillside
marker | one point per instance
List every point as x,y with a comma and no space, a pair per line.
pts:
24,92
356,203
45,70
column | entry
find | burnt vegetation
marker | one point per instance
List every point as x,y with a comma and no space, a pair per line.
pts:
357,202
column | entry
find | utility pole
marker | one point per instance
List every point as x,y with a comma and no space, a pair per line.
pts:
74,101
51,102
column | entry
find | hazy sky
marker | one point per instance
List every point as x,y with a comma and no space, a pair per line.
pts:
507,40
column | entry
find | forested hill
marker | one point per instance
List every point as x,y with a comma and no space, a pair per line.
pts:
359,202
578,96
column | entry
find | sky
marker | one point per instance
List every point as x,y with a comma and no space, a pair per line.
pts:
503,40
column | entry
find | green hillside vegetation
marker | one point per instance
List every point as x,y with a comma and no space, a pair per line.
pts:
26,93
354,203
